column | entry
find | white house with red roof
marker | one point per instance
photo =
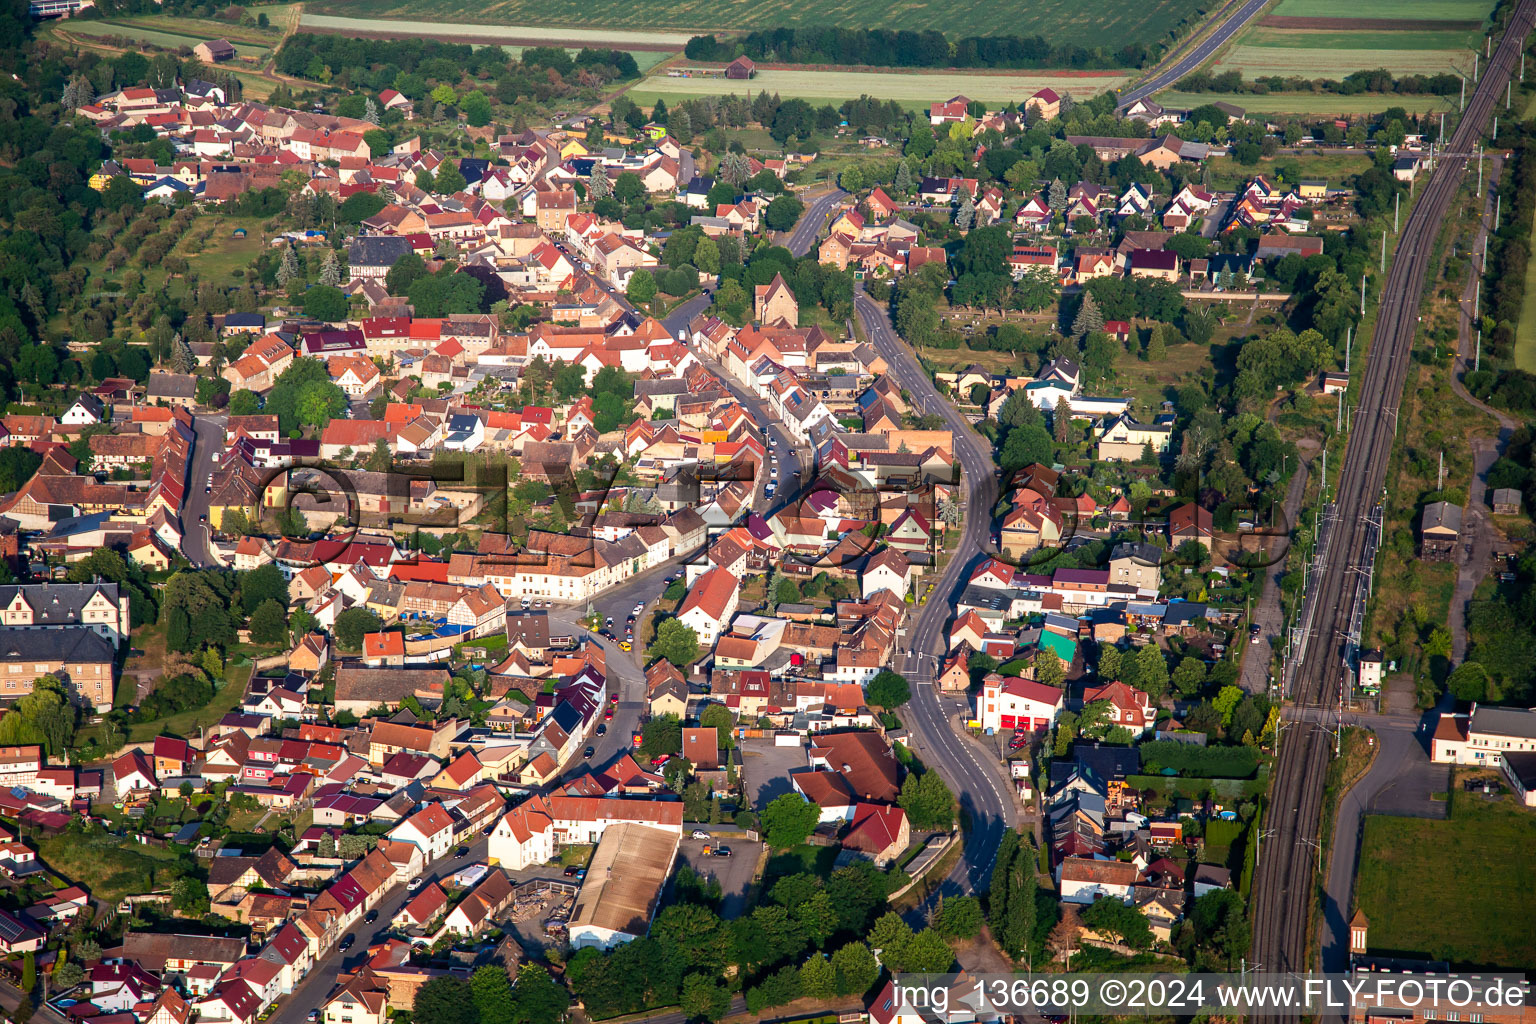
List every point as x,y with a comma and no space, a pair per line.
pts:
1129,707
1007,703
710,604
948,111
879,831
430,830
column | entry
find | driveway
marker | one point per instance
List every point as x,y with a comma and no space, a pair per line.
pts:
765,769
734,873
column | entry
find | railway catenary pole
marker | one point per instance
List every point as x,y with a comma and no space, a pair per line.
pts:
1284,879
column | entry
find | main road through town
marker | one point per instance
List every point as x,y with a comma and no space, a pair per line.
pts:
975,776
1283,890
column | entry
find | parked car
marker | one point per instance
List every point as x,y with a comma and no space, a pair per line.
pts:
722,851
461,853
657,762
370,917
570,872
602,729
413,884
699,833
346,942
589,752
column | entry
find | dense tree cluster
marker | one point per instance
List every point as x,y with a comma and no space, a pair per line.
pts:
419,68
912,49
810,937
1377,80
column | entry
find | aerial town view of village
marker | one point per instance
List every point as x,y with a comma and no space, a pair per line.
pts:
550,513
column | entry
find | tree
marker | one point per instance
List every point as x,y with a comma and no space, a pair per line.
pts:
1157,349
818,978
959,917
1468,681
1049,669
1119,920
244,403
325,302
642,287
783,212
888,690
1226,701
287,267
719,718
491,991
789,820
1061,421
706,255
704,998
965,214
444,1000
330,270
903,181
403,273
1026,445
189,896
855,968
538,999
352,624
676,642
1056,196
1088,319
269,623
449,179
929,804
1152,670
1189,676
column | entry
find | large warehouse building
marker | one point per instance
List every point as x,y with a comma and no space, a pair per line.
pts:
629,869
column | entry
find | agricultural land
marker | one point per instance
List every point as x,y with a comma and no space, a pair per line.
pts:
915,90
1311,39
1059,21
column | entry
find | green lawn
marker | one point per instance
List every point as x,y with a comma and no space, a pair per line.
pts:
108,867
1060,21
186,723
1462,890
1525,334
817,860
213,250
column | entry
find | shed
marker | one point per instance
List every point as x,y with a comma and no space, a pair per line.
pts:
740,68
1439,529
1506,501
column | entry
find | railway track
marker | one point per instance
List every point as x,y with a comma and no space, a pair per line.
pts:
1284,881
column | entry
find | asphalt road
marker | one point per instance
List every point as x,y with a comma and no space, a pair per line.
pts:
208,439
978,782
805,233
311,993
1199,55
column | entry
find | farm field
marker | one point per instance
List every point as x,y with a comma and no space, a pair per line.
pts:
1310,102
906,87
213,28
1059,21
157,37
1463,890
529,35
1430,37
1326,62
1416,10
1291,38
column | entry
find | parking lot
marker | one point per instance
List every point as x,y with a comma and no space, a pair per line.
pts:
765,769
734,872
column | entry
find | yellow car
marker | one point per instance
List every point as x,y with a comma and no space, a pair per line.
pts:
624,645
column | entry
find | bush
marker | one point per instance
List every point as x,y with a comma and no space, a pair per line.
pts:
1202,762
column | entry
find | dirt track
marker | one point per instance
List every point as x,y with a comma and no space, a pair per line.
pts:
484,41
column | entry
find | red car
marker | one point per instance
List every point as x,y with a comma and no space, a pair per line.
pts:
1019,740
613,699
608,715
657,762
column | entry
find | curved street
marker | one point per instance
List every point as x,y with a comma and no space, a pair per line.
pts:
978,783
1199,55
